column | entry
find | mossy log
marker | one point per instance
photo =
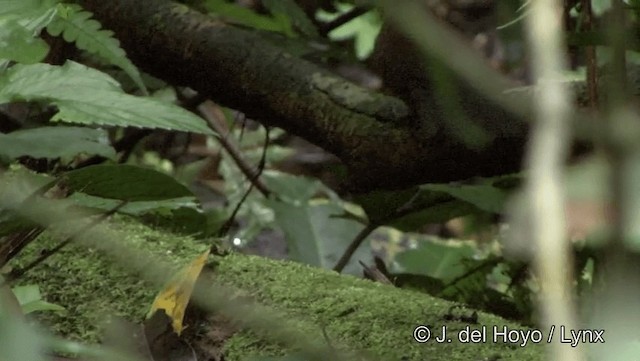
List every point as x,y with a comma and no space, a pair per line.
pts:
344,311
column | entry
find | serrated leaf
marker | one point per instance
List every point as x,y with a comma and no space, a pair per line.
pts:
76,26
87,96
125,182
55,142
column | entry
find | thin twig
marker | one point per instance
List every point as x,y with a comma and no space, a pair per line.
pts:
353,246
227,144
343,19
263,161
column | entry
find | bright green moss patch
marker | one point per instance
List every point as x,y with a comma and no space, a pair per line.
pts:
365,315
359,314
91,287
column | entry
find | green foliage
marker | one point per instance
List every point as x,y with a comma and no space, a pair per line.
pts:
317,224
125,182
409,209
75,26
55,142
87,96
20,22
316,235
248,17
287,11
435,259
26,49
483,197
30,300
363,29
19,181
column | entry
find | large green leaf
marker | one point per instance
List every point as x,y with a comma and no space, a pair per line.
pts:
18,44
435,213
437,259
484,197
177,214
291,188
316,237
20,23
380,205
432,203
55,142
429,206
31,300
87,96
125,182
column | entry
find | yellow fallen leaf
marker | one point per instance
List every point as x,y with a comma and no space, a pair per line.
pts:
173,299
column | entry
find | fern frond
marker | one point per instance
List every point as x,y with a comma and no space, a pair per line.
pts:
77,26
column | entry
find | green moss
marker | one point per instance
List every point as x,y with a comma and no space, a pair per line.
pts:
366,315
359,314
91,287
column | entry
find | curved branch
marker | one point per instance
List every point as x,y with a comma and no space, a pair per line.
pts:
371,133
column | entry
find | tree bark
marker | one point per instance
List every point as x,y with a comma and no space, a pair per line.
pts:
376,136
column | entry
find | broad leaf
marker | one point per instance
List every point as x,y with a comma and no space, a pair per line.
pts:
437,259
291,188
180,215
87,96
31,300
484,197
125,182
391,208
436,213
380,205
55,142
18,44
315,236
